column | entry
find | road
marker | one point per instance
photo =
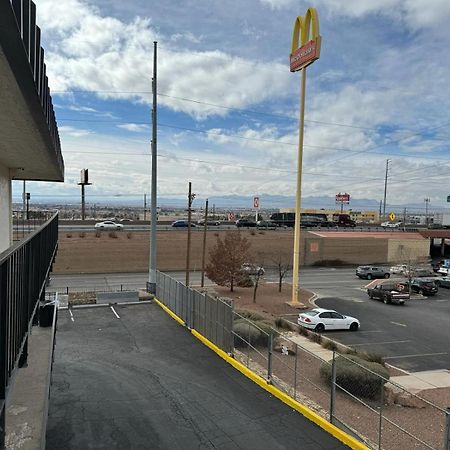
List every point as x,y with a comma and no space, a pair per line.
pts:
414,337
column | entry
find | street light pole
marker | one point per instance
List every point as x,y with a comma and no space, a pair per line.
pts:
427,201
151,287
191,197
385,188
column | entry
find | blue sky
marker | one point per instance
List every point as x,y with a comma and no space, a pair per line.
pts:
228,105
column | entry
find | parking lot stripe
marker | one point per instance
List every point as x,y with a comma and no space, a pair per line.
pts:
380,343
418,355
71,315
399,324
114,311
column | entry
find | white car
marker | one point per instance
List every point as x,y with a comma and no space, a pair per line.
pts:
391,224
319,319
252,269
108,225
401,269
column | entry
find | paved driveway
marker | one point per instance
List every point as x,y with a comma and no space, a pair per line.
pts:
141,381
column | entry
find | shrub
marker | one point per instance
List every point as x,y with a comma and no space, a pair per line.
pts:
245,282
82,235
250,315
303,331
69,235
253,233
315,337
282,324
354,378
246,332
129,235
373,357
329,345
261,232
112,234
98,233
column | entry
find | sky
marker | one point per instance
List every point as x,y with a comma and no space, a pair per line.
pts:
228,106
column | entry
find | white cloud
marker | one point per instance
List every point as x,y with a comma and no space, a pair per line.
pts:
134,127
72,131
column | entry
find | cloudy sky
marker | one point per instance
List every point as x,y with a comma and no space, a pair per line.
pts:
228,105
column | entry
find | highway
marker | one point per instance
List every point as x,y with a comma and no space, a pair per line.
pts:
413,337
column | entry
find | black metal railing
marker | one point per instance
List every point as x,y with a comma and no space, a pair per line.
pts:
25,14
24,269
26,223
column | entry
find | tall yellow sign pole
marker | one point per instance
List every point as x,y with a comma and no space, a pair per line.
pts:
302,56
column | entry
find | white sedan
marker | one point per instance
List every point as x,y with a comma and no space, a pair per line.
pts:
320,319
391,224
108,225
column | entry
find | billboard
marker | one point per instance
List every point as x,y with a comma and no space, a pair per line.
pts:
256,202
343,198
84,179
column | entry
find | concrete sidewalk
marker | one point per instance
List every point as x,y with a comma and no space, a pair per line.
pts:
412,382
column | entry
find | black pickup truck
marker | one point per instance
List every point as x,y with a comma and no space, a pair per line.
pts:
389,293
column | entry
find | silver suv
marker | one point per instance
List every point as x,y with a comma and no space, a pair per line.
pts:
370,272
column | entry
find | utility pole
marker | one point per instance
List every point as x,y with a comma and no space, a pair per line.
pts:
151,287
27,195
205,228
188,250
145,207
24,199
404,219
427,201
385,187
84,182
379,213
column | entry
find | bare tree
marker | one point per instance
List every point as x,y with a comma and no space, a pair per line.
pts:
259,272
283,265
226,259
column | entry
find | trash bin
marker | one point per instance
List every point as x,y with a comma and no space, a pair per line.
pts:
46,312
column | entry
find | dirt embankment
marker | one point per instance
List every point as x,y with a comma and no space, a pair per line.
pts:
84,252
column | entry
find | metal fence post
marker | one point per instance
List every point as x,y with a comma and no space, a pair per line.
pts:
380,424
333,387
295,372
447,429
269,360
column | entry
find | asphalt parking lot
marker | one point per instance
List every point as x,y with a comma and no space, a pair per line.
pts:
132,378
414,337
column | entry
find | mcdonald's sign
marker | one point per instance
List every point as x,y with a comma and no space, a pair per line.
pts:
305,49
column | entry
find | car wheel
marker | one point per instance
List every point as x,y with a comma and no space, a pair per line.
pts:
421,291
385,300
320,328
369,276
387,275
371,296
354,326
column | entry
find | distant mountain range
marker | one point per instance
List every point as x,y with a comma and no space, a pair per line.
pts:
267,201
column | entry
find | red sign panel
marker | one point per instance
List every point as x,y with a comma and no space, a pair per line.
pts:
344,198
256,202
305,55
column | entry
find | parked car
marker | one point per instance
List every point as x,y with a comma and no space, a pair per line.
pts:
369,272
182,224
108,225
320,319
266,224
400,269
126,220
245,223
389,293
391,224
443,282
211,223
252,269
422,287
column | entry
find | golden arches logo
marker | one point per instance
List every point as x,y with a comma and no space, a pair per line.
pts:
305,49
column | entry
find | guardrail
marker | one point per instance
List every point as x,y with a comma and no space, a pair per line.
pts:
24,269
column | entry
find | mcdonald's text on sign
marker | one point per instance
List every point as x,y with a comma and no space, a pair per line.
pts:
305,49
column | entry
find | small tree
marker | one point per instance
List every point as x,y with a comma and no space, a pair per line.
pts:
256,277
226,259
283,266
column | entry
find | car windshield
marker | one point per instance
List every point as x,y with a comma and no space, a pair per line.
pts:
311,313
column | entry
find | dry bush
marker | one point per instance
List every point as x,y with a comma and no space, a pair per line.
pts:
112,234
261,232
98,233
129,235
69,235
82,235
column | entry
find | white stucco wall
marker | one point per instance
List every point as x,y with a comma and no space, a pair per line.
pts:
5,209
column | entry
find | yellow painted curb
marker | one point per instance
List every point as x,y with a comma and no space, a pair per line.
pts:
302,409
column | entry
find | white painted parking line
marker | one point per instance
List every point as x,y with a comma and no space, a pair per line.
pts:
418,355
380,343
359,332
399,324
71,315
115,313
